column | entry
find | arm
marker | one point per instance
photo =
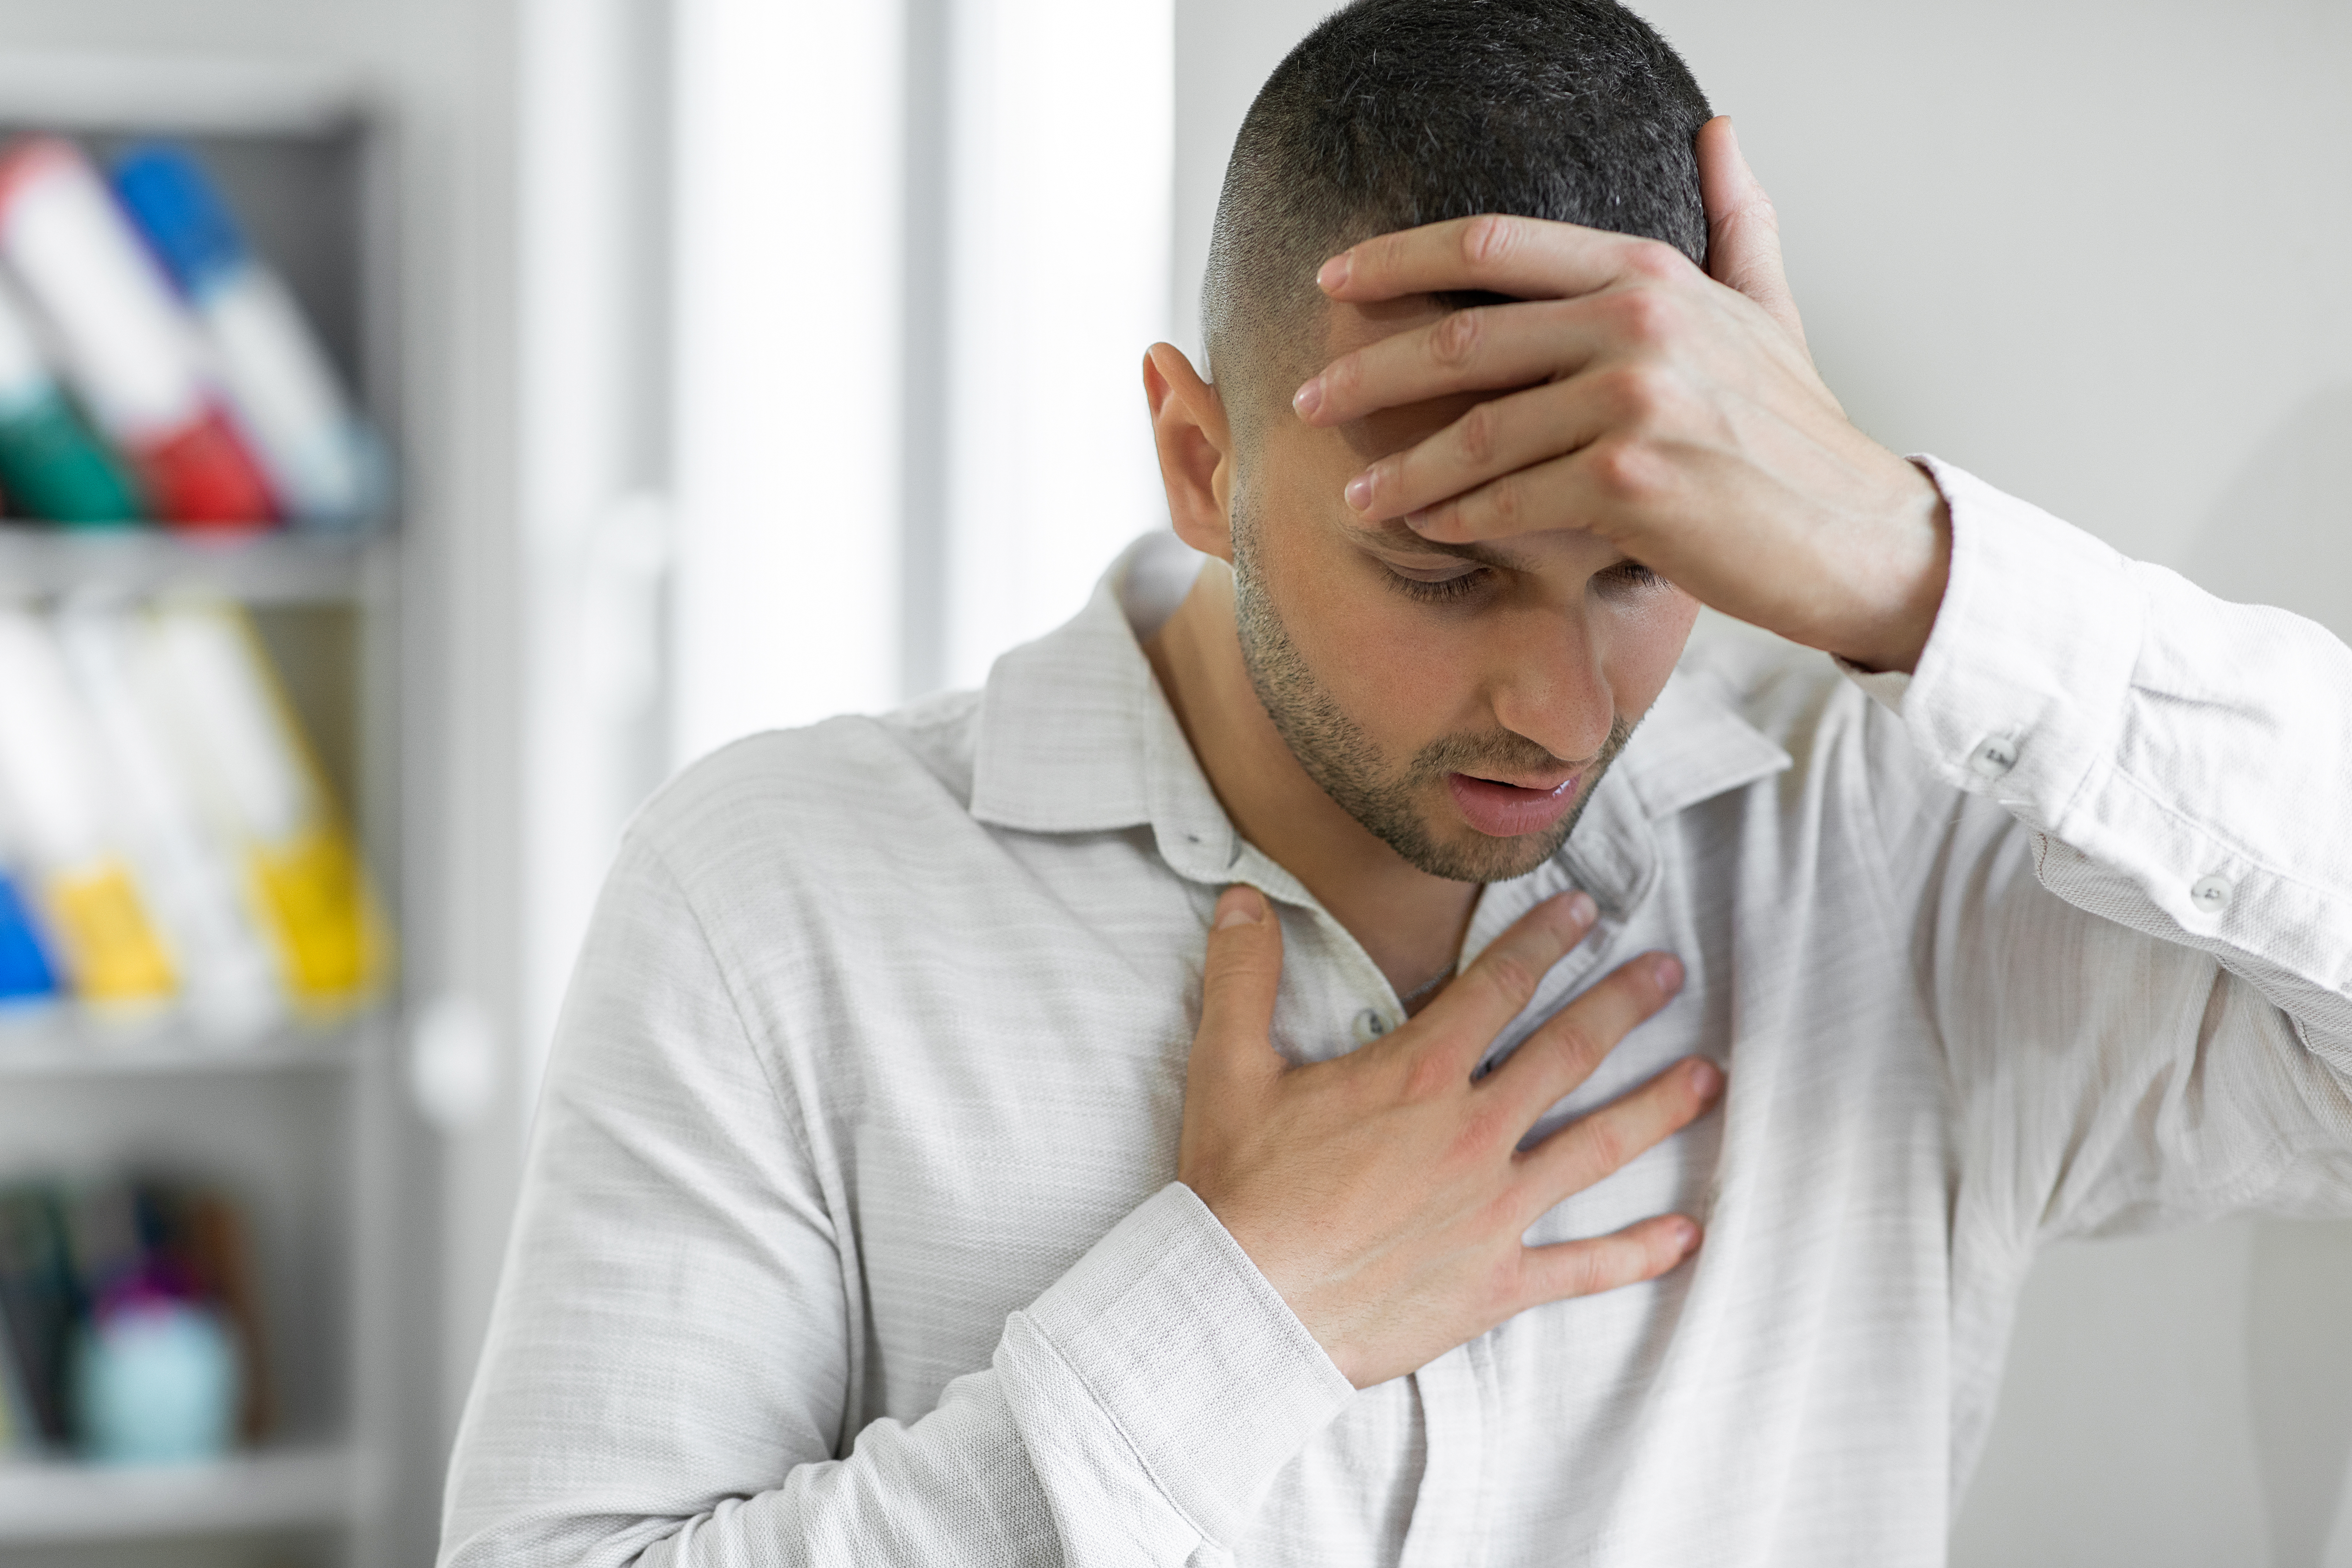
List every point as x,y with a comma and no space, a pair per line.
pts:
669,1370
2174,1038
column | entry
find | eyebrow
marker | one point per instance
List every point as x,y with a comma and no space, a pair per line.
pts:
1397,537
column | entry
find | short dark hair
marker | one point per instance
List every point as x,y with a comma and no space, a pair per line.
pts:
1394,113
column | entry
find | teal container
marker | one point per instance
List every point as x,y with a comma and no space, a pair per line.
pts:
53,469
155,1383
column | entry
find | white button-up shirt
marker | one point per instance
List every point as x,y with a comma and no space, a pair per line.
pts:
850,1235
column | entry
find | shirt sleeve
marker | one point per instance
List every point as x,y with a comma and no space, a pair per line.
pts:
667,1378
2169,1037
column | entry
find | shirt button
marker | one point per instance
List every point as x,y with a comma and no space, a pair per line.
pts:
2210,894
1992,758
1370,1025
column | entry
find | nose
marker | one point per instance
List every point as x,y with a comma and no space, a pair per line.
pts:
1550,686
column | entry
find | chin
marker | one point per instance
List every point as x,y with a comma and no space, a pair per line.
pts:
1460,853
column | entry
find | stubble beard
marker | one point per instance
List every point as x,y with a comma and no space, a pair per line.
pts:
1348,766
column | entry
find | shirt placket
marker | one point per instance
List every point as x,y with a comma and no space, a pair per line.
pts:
1458,1407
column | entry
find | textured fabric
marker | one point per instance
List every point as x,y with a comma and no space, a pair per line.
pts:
849,1234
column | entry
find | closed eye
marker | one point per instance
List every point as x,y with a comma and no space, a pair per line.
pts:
1630,576
1446,590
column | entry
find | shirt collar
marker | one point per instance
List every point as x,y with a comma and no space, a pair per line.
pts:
1076,737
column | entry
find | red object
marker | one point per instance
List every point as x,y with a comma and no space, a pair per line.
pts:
201,476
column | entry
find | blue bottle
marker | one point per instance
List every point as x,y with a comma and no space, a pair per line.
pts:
317,458
25,974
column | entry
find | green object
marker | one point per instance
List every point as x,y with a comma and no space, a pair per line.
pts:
53,470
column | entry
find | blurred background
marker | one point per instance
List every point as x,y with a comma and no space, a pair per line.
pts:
537,394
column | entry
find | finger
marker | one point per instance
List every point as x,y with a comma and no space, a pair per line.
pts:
1597,1146
1455,1030
1627,1257
1494,438
1743,231
1606,486
1480,348
1558,1056
1496,254
1239,979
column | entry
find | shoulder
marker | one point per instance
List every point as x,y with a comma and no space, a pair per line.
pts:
815,796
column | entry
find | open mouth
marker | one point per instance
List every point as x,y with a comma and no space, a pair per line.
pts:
1507,810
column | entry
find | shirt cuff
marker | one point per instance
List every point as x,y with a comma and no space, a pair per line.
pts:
1171,1334
1884,687
2020,687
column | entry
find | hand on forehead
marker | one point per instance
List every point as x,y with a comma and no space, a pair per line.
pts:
1348,326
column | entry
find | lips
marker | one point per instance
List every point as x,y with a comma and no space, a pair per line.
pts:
1507,811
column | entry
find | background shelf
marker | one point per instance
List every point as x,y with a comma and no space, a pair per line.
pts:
64,1043
285,1488
255,569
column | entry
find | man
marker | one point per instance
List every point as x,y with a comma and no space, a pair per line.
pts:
1185,1102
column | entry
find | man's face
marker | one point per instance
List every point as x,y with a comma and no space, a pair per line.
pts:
1461,703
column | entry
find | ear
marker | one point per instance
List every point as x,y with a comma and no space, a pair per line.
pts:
1196,450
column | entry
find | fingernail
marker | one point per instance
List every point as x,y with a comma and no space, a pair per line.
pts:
1307,398
1582,908
1334,272
1240,907
1417,520
1359,490
1706,1079
1668,970
1685,1236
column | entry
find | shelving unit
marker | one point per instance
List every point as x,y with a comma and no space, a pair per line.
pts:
290,1488
65,1046
303,1124
255,569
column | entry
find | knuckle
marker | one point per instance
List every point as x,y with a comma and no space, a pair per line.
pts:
1478,435
1622,469
1505,501
1606,1148
1489,238
1580,1047
1655,258
1512,978
1344,375
1455,340
1586,1272
1625,391
1647,316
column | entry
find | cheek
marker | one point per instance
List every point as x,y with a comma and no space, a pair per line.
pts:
1398,673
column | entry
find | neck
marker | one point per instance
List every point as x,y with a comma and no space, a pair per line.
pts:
1410,923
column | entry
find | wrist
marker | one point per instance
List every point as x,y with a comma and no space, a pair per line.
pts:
1911,562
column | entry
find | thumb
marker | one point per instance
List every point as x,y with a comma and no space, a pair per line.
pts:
1743,232
1238,982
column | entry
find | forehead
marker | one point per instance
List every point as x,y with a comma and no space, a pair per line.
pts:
1347,327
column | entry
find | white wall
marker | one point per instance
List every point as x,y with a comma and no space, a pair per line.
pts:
789,161
1059,164
2092,250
